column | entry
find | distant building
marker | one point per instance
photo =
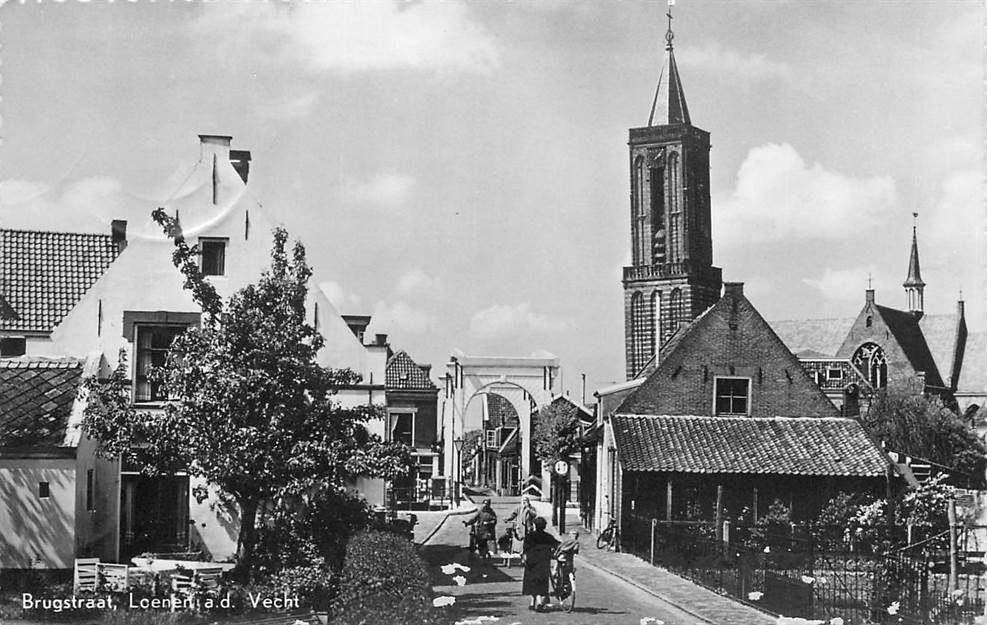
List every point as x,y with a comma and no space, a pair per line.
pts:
412,413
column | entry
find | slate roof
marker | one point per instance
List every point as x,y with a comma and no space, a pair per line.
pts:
402,372
940,335
44,274
36,397
813,337
784,446
973,375
906,330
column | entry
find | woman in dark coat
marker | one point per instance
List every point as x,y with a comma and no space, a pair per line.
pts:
539,548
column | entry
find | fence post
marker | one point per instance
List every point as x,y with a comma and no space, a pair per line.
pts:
654,525
726,536
953,564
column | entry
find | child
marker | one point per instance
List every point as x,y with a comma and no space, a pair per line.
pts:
568,549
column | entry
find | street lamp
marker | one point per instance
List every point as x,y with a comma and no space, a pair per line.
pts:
458,443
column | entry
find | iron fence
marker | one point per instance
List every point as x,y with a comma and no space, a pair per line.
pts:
816,572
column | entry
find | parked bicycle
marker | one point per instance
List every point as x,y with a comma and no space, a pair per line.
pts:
610,536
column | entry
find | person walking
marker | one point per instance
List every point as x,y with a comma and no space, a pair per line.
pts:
539,548
484,529
523,518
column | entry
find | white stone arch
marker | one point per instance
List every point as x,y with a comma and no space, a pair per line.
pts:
520,380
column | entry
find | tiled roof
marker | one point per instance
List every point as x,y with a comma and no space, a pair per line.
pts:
787,446
819,369
36,397
812,336
973,375
500,411
940,334
905,328
44,274
404,373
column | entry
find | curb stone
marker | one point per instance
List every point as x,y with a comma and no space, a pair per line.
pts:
459,512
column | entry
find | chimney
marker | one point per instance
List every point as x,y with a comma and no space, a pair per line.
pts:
736,289
869,296
961,308
426,369
380,340
240,159
118,233
218,145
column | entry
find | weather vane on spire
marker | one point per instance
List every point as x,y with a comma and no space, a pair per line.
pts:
669,35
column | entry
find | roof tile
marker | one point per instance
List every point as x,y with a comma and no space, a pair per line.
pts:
782,445
36,397
44,274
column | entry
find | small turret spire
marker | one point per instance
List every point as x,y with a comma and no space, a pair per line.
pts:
669,105
914,285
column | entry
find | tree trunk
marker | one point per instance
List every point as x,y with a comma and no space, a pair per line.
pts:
248,537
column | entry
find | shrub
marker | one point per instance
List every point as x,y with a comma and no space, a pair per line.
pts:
384,580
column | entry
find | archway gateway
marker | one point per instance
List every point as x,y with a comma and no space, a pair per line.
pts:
526,383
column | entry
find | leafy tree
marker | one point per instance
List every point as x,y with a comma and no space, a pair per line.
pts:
556,434
251,412
922,427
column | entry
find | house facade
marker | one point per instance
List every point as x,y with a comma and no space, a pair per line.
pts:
412,412
730,421
97,297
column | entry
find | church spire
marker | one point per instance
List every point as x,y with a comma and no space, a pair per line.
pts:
914,286
669,105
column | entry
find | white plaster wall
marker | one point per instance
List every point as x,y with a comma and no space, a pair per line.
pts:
38,533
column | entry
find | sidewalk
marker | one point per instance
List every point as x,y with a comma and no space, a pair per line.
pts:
699,602
692,598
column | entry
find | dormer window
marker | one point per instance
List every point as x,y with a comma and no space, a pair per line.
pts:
834,375
213,253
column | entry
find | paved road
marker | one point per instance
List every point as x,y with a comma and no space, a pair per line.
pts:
496,591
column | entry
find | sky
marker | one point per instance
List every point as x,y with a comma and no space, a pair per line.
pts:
460,171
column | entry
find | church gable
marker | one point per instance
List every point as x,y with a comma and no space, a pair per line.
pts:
729,362
888,346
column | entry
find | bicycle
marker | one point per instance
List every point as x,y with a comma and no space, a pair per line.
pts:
609,537
563,582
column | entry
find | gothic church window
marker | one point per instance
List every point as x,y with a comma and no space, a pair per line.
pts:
872,362
656,321
657,175
640,212
675,310
642,331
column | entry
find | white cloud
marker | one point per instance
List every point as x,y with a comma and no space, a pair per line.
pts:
848,284
956,257
85,205
416,282
778,196
288,107
342,300
401,317
387,190
351,36
731,63
502,320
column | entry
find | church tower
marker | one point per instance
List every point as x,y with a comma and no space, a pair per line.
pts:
671,279
914,286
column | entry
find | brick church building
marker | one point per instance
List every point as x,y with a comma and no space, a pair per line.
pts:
719,399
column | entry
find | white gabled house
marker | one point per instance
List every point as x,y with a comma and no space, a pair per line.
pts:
69,304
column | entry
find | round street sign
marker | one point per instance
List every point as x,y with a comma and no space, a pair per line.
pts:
562,467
